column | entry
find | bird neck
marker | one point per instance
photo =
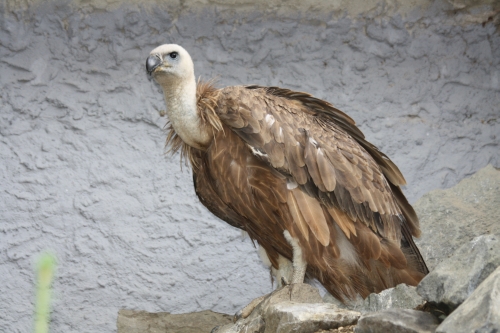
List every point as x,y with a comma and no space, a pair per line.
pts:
183,113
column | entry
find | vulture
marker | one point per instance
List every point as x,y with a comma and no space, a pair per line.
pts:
297,175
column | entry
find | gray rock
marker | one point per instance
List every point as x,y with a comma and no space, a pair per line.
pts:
449,218
355,304
457,277
298,293
400,297
249,325
130,321
480,313
393,320
287,317
345,329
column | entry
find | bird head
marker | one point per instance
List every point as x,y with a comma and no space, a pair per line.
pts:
169,63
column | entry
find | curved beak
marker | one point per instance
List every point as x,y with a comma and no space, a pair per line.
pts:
152,63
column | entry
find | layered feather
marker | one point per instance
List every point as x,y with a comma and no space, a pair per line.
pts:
283,160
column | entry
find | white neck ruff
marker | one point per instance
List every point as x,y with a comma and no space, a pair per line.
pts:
183,113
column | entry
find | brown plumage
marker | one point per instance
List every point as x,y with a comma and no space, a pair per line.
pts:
283,160
249,190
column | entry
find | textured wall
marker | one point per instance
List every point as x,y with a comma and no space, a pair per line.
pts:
81,140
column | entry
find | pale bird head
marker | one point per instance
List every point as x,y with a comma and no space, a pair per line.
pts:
169,63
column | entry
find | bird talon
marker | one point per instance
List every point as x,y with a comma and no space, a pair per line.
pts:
284,282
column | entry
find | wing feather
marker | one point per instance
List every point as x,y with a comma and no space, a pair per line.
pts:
343,221
276,154
294,153
313,215
326,171
310,158
366,243
297,215
277,132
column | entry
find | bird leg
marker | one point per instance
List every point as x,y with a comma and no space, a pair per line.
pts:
283,274
287,273
298,262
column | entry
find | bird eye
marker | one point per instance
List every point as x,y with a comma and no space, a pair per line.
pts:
173,55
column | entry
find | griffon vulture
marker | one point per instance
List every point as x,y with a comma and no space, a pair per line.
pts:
297,175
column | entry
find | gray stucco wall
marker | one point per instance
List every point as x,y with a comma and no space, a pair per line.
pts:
81,142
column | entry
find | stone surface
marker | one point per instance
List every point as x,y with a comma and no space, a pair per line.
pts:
288,317
354,304
130,321
393,320
81,138
457,277
480,313
255,322
345,329
450,218
294,308
254,325
399,297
